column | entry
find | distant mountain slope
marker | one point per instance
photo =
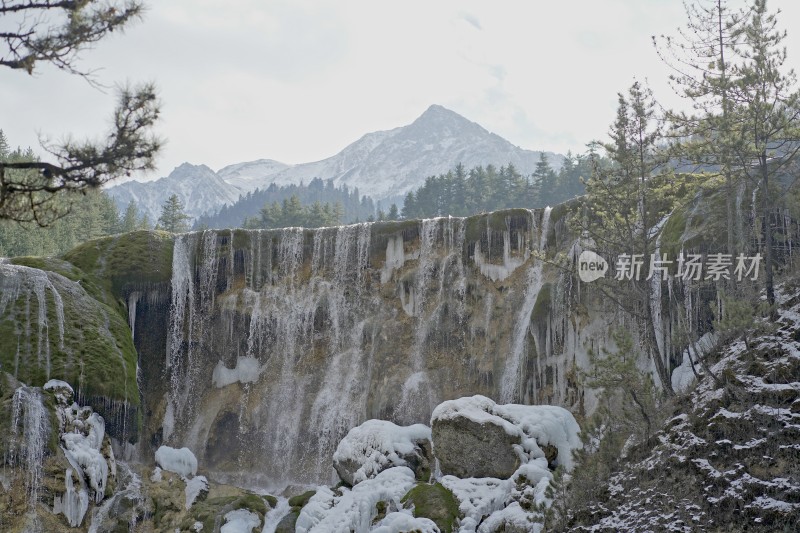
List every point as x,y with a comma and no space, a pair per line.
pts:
384,165
199,188
249,176
387,164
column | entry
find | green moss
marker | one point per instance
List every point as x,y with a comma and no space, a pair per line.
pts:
301,500
209,510
380,511
565,209
253,502
434,502
96,354
130,259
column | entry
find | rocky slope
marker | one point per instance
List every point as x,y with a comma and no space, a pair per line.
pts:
729,458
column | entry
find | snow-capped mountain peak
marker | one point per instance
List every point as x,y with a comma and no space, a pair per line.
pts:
385,165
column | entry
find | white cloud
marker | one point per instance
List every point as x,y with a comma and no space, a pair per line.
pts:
299,80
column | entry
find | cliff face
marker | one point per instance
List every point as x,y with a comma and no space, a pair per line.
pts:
259,350
279,342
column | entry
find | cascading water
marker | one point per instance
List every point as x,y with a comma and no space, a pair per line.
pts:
441,243
33,285
30,433
510,384
280,341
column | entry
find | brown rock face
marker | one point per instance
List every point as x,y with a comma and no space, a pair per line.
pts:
469,449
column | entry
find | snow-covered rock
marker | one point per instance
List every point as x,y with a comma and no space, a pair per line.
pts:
61,390
180,461
475,437
377,445
490,504
354,509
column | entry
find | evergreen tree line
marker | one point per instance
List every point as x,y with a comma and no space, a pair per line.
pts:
463,192
84,215
352,205
292,212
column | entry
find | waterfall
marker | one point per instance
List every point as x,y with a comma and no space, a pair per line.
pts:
510,382
32,285
30,432
133,300
442,239
128,496
309,332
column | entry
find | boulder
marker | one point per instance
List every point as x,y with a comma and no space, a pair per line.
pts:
468,448
475,437
377,445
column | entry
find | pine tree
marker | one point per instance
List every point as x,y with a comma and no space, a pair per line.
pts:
4,146
56,33
173,218
394,213
130,219
545,180
767,109
702,57
620,216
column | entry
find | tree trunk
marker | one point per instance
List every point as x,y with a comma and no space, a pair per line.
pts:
768,260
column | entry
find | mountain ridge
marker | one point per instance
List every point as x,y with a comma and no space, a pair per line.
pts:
384,164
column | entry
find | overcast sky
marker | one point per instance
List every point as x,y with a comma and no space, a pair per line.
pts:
297,81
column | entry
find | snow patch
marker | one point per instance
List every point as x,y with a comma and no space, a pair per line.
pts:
194,487
478,498
683,375
404,521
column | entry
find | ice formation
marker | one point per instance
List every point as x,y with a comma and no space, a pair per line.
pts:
240,521
28,445
180,461
354,510
247,370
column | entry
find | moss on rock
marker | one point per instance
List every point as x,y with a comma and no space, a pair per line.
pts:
435,502
129,259
57,322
